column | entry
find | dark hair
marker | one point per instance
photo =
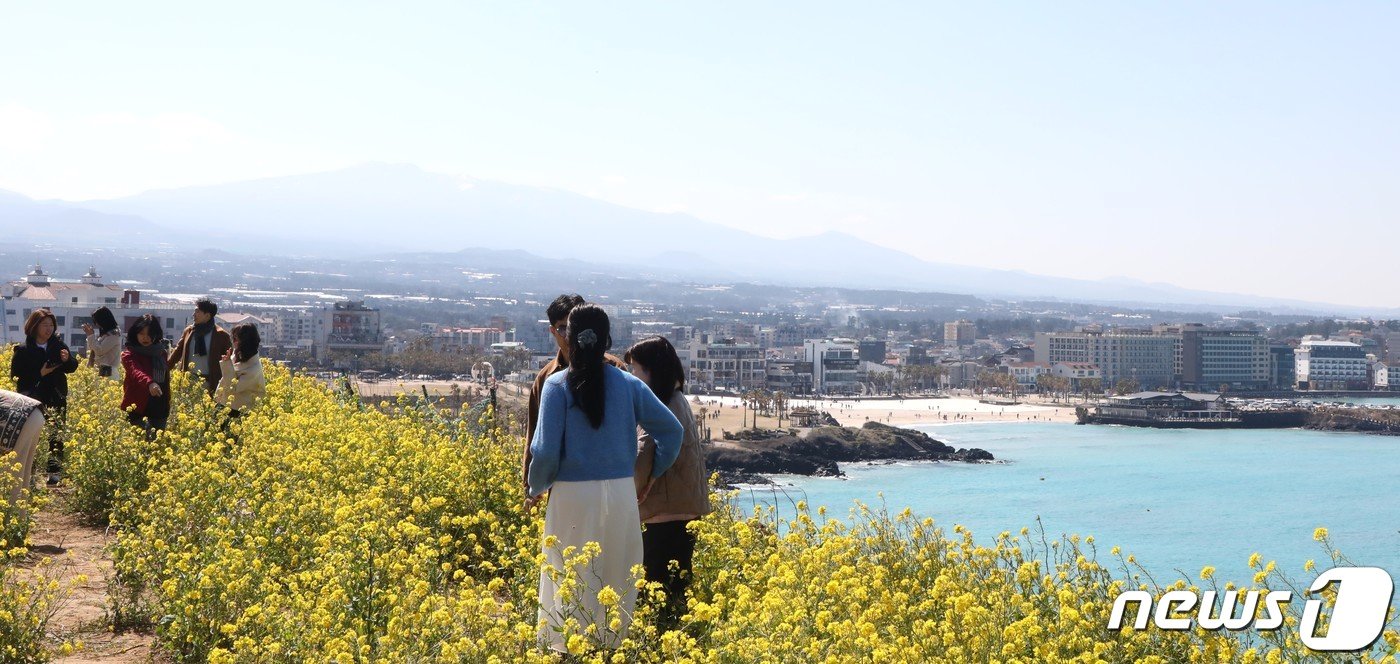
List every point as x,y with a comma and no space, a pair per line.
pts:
207,306
659,358
104,320
150,324
586,365
245,341
559,309
31,324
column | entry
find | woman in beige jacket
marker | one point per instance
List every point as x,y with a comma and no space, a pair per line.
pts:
680,495
242,381
104,343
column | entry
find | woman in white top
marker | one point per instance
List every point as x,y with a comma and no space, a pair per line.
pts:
242,382
104,344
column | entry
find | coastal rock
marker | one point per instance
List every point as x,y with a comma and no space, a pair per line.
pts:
817,451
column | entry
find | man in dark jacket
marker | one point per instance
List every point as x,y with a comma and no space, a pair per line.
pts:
558,313
201,346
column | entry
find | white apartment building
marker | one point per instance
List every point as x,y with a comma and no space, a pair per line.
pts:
714,364
1078,373
835,365
1027,373
72,303
1323,364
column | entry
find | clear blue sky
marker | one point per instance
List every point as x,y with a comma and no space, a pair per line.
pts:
1248,147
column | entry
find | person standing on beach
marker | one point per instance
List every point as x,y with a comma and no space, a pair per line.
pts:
592,409
558,315
201,345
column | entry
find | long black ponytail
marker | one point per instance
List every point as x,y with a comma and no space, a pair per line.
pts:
590,337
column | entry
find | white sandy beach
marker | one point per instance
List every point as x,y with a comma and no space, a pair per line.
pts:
898,412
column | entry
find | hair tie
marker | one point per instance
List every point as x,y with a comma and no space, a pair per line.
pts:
587,338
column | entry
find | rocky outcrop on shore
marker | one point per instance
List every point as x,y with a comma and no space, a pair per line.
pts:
817,451
1385,421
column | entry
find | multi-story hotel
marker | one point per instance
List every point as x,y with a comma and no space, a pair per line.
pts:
1141,355
1211,359
1323,364
723,364
1167,356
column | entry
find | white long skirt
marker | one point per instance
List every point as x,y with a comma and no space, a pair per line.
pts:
602,511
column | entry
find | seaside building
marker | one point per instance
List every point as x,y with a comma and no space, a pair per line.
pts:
723,364
1323,364
72,303
1211,359
1079,373
1387,376
791,376
1146,356
961,373
835,368
872,350
959,333
1282,369
1026,373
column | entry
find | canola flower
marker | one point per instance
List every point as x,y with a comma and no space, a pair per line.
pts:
317,529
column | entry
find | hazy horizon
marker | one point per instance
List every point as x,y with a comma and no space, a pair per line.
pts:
1246,148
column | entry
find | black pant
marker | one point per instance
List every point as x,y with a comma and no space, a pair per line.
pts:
156,415
663,544
55,421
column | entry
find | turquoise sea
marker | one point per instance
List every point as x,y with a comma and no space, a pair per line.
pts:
1176,499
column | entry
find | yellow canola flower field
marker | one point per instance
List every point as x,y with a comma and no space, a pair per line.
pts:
318,529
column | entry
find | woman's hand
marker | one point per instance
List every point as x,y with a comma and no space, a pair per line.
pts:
228,354
64,355
47,369
155,390
645,491
87,329
530,502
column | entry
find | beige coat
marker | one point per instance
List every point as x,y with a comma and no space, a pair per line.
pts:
241,383
106,351
684,489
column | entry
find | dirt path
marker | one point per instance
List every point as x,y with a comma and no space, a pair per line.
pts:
79,550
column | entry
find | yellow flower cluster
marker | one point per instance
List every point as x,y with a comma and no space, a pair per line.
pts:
317,529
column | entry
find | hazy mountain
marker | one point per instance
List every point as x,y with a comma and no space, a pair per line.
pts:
378,208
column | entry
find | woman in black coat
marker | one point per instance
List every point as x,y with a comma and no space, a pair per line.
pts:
40,368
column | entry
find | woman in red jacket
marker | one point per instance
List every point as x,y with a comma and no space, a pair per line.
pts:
146,381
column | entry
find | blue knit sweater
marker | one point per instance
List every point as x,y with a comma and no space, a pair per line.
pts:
566,447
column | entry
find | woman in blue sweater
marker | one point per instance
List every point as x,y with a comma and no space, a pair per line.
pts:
583,453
